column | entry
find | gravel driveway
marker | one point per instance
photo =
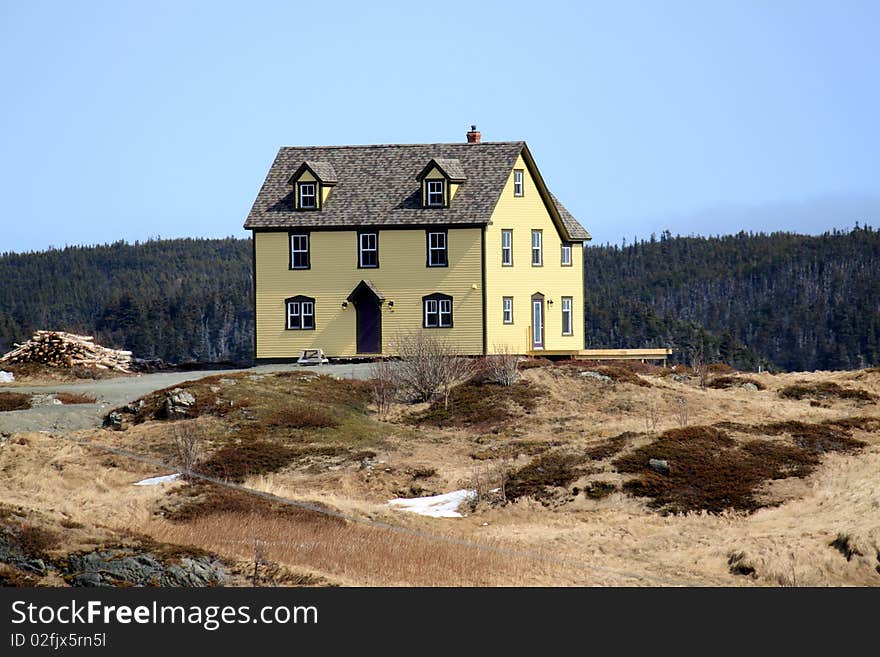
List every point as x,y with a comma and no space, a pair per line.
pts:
111,393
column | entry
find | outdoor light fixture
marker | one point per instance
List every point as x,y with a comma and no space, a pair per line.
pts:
391,304
345,304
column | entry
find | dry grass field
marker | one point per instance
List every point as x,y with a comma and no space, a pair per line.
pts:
771,484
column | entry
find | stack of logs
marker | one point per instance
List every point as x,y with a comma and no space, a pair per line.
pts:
59,349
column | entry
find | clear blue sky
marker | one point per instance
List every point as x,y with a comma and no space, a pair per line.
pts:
126,120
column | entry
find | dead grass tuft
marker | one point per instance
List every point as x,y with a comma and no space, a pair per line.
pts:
725,382
825,390
74,398
846,546
14,401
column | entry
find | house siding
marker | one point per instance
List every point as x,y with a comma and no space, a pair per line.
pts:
522,280
402,277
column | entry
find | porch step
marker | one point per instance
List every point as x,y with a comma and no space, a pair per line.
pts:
312,357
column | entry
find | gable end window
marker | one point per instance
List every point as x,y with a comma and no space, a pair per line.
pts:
368,250
537,251
566,316
517,182
308,195
299,251
437,311
566,255
507,248
507,308
300,313
437,251
434,193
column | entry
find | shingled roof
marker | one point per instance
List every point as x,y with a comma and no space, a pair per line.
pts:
377,186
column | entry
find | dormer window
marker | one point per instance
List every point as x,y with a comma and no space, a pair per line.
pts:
434,193
308,196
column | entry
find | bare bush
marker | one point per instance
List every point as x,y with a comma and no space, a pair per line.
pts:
428,366
682,411
187,445
699,365
383,386
652,416
502,367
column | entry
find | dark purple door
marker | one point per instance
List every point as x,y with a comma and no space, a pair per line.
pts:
369,324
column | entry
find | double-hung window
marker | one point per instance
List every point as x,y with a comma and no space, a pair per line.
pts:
566,316
437,255
300,313
506,248
368,250
537,254
299,251
434,193
507,306
308,198
566,255
437,310
517,182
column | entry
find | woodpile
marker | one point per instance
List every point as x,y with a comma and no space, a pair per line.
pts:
59,349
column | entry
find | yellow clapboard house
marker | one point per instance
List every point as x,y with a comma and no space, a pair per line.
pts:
356,246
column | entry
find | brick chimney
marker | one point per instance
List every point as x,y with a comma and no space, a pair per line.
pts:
473,136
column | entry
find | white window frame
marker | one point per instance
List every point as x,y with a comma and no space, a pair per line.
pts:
293,312
313,195
307,309
296,247
566,250
439,248
445,308
537,248
368,249
518,182
300,315
507,249
567,301
507,310
432,308
434,188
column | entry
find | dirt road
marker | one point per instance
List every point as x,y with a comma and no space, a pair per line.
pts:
111,393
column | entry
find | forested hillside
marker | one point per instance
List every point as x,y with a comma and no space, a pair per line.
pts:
179,300
798,302
791,301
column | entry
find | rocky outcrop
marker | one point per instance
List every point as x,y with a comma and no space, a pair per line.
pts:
124,567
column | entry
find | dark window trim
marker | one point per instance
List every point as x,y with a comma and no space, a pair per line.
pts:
290,235
299,184
503,321
571,315
507,230
367,232
438,297
428,233
532,247
300,299
570,255
444,200
522,185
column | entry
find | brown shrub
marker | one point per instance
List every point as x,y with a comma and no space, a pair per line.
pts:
31,540
300,416
710,471
532,363
74,398
724,382
480,405
824,390
202,498
236,462
14,401
548,471
720,368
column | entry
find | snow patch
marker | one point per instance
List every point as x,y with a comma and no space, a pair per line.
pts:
7,377
155,481
435,506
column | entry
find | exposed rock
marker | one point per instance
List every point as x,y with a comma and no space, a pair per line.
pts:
659,465
44,400
596,375
177,402
679,378
12,554
749,386
113,421
134,407
120,567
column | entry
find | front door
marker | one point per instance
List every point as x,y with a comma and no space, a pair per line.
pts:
537,322
369,324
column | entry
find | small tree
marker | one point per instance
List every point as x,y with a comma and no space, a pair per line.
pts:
502,367
383,386
187,445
